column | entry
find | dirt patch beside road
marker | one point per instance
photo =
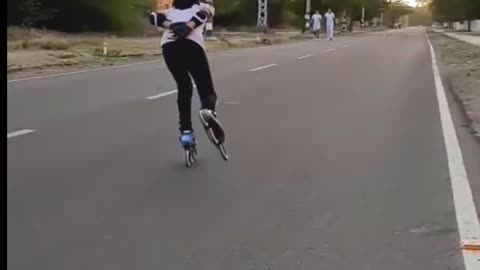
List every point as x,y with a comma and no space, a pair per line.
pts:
39,52
460,67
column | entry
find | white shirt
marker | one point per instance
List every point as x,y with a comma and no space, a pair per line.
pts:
330,18
317,21
184,15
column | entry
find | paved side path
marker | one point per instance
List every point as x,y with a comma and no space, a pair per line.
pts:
469,38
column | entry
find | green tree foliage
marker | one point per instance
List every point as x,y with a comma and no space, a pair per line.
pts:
455,10
353,8
76,15
244,12
124,15
26,12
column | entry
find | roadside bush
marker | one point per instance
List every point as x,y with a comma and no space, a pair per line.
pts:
45,44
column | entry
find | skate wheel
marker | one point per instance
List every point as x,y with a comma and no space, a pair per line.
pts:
188,163
193,155
188,158
223,152
211,136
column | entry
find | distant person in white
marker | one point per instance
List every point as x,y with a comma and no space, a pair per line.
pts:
330,22
317,23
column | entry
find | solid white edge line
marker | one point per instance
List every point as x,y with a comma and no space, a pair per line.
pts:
303,57
19,133
162,95
465,210
263,67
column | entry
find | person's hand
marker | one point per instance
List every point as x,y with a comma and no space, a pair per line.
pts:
191,25
181,29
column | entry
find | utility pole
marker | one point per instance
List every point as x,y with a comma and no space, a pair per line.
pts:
307,15
209,24
363,16
262,19
382,14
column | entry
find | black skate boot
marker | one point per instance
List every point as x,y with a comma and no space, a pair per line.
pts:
214,130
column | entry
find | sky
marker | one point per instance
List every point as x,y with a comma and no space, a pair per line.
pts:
412,2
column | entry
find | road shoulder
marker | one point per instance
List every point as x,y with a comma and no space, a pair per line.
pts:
456,59
459,64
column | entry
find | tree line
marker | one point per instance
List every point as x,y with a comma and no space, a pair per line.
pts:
455,10
127,15
77,15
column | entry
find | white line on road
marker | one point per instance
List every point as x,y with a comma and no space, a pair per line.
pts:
329,50
346,46
231,102
467,218
162,95
263,67
303,57
19,133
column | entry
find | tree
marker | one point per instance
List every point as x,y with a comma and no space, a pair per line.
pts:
26,12
353,8
455,10
397,9
76,15
470,11
124,15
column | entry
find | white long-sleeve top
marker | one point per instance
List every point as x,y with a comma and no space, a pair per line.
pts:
317,22
184,15
330,19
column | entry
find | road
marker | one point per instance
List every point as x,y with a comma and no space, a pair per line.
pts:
337,162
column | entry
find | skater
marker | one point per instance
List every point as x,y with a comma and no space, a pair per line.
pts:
184,53
330,23
317,24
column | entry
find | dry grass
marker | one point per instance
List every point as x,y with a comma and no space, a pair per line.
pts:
46,44
40,49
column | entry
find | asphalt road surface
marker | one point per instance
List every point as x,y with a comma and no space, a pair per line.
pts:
337,162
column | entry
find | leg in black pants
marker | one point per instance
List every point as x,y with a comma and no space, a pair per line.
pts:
185,58
200,71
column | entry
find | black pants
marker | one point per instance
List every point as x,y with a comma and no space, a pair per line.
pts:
185,58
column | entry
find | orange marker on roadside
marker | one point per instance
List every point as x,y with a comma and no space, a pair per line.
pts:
470,245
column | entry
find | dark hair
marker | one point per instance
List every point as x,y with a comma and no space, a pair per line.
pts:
184,4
